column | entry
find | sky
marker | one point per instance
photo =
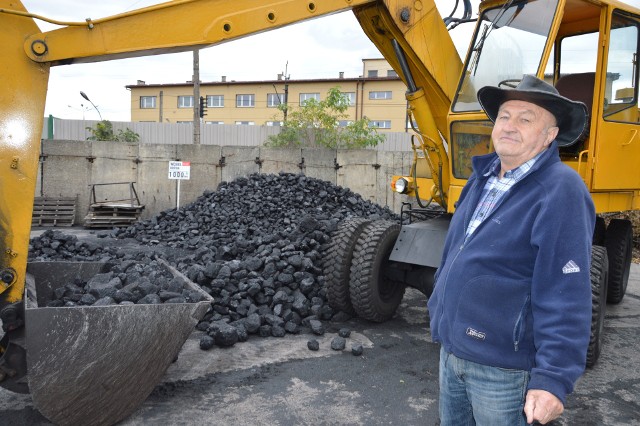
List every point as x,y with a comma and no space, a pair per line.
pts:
320,48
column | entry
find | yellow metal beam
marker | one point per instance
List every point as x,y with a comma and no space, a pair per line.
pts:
435,67
173,27
432,57
22,101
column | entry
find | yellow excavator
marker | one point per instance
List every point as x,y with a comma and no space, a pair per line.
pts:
96,365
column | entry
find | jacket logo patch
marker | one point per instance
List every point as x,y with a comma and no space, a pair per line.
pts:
570,268
475,334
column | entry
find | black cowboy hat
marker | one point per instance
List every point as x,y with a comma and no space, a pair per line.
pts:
571,116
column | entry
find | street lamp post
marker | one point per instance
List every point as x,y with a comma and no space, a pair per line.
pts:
82,108
84,95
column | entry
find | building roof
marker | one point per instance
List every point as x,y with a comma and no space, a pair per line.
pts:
234,82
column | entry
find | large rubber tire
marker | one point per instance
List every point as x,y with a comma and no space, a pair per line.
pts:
336,263
619,243
375,297
599,231
598,274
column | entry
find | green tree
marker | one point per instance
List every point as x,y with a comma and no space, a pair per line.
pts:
104,132
317,123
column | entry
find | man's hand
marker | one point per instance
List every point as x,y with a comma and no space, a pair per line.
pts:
542,406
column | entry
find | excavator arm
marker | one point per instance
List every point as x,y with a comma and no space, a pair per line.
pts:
409,33
174,26
413,38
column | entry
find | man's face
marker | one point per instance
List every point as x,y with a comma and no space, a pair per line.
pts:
522,130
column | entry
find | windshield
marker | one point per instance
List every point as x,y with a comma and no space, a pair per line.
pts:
508,44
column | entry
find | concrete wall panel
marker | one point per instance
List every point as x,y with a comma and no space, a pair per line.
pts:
239,161
67,168
276,160
155,190
205,171
385,172
358,173
319,164
113,163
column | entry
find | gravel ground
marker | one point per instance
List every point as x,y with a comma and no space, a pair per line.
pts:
394,381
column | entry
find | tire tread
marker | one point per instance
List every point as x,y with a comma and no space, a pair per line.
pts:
371,248
598,276
336,263
619,244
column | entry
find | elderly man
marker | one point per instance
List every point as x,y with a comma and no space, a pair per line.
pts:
511,305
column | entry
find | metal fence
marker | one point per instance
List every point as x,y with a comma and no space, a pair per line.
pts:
182,133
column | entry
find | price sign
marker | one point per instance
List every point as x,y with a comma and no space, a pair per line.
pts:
179,170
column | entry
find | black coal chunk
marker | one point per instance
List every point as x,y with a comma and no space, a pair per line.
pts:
313,345
344,332
317,327
226,335
338,343
206,342
356,349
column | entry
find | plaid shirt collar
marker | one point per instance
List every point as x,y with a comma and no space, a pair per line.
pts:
495,188
515,174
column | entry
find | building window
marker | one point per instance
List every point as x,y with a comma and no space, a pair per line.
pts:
352,97
245,123
184,122
273,100
147,102
245,101
380,95
622,74
214,122
380,124
392,73
344,123
412,124
185,101
274,123
304,97
215,101
372,73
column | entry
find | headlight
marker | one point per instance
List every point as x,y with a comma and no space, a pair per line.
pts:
401,186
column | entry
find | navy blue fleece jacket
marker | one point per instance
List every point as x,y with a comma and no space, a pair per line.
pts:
517,294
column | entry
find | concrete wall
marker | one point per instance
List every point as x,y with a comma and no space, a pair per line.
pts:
69,168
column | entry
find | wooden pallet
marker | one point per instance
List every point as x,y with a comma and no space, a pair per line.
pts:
54,211
108,215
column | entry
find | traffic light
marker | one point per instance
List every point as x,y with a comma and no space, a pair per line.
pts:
203,106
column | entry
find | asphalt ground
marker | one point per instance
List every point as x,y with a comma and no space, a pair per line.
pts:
278,381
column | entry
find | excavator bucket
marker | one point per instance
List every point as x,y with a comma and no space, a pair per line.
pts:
97,364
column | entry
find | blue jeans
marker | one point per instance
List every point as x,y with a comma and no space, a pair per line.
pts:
475,394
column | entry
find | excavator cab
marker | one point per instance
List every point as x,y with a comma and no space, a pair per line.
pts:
589,52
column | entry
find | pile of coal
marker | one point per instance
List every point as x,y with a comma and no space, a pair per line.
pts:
129,281
254,210
58,245
255,245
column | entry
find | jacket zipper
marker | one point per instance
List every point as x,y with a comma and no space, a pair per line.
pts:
446,277
517,329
